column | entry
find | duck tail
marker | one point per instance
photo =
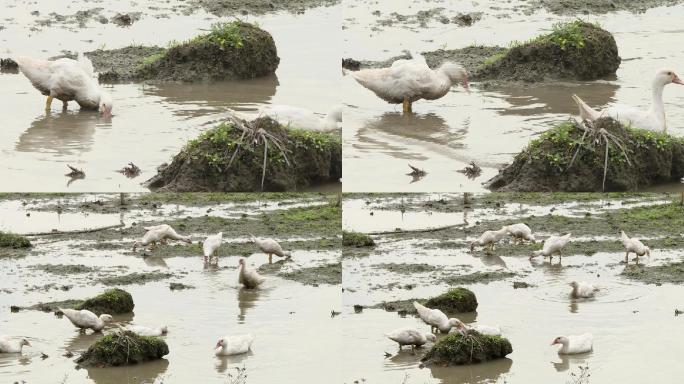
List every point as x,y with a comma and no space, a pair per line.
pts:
586,112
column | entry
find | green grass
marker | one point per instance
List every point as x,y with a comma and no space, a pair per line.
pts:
223,34
9,240
356,239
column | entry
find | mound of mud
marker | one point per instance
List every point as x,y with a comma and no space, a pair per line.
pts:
112,301
672,273
223,160
456,300
258,7
575,7
123,348
654,158
10,240
470,348
235,50
575,51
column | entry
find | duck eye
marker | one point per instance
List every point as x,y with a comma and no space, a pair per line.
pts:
669,73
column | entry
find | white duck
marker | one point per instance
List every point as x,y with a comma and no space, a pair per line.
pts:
270,247
233,345
553,245
489,238
410,80
582,289
66,80
211,246
436,319
633,245
520,232
490,330
142,330
303,118
652,119
249,277
9,346
85,319
575,344
159,234
410,336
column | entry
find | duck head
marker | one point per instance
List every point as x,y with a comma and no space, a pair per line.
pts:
24,342
456,73
560,340
106,104
106,318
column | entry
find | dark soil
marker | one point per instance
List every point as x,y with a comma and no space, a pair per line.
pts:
10,240
112,301
123,348
577,7
204,165
241,7
543,166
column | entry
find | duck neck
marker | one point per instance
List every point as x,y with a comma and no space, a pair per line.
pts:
657,107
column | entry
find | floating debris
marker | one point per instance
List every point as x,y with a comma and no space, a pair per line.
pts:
471,171
131,170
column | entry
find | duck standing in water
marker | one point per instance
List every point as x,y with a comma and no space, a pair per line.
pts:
270,247
66,80
409,80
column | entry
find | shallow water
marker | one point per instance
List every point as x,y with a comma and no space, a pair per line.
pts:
281,314
486,126
151,123
627,318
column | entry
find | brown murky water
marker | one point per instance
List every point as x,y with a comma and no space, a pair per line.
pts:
635,332
151,122
284,315
486,126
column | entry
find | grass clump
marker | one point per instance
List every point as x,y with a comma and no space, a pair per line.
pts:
225,35
356,239
455,300
123,348
10,240
469,348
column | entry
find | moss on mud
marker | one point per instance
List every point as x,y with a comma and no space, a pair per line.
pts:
471,348
322,274
205,163
135,278
654,157
123,348
234,50
672,273
456,300
356,239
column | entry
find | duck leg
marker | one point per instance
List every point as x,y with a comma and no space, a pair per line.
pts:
626,257
407,105
270,257
65,104
48,103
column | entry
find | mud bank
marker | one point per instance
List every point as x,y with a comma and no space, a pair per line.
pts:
572,51
456,300
356,239
234,50
544,165
258,7
471,348
123,348
577,7
9,240
668,273
240,156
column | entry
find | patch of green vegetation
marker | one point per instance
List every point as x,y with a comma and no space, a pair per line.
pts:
566,34
471,348
405,268
9,240
456,300
223,34
207,198
356,239
323,274
135,278
150,60
123,348
494,58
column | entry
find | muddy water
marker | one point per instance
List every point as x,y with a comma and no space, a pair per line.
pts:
622,316
151,122
487,126
282,313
